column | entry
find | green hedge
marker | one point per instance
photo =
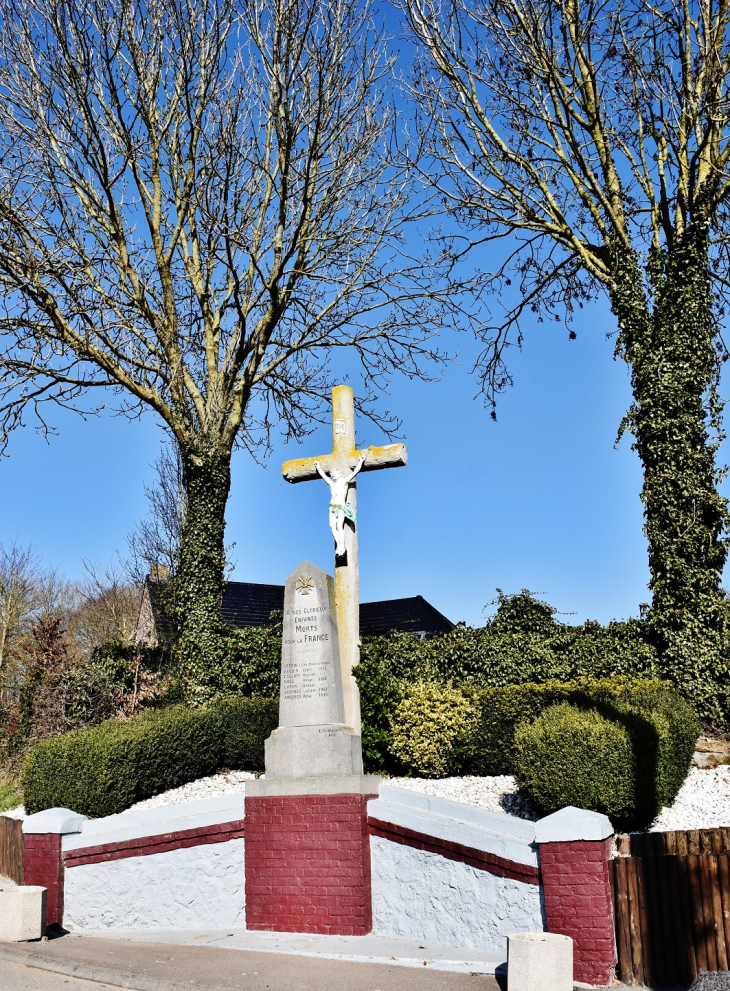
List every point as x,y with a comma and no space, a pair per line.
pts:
660,725
571,756
663,725
247,663
105,769
622,748
520,645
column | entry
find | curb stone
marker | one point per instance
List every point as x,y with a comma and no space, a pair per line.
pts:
90,972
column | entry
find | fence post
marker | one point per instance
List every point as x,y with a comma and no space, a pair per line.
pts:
43,866
575,848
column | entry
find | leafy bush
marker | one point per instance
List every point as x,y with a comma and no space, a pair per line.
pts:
433,734
433,729
105,769
571,756
662,725
247,662
10,794
522,643
61,691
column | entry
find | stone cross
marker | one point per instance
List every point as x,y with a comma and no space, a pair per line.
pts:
345,457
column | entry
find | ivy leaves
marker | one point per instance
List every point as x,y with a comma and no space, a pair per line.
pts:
668,337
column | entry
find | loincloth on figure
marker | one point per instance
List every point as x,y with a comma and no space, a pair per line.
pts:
345,509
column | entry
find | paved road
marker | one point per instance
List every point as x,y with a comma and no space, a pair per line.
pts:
14,977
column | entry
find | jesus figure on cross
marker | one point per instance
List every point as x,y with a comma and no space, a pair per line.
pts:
340,508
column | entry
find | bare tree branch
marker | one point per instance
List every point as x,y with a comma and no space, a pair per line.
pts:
198,202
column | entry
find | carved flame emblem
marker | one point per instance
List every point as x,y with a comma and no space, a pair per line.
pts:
304,584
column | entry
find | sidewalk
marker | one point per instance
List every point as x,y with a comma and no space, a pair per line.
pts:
254,962
351,949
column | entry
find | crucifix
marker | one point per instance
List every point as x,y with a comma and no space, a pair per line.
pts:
339,469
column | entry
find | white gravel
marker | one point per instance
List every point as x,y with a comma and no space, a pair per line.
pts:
703,802
498,793
224,783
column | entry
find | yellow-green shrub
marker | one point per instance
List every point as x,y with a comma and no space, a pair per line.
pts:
432,729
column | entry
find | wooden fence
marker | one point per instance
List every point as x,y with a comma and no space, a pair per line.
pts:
11,849
671,897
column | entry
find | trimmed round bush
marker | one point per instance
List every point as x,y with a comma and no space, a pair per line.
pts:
663,727
572,756
432,730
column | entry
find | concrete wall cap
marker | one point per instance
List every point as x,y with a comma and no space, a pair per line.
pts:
571,824
54,821
491,832
497,822
124,826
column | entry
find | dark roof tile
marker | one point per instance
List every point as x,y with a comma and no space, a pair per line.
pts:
251,604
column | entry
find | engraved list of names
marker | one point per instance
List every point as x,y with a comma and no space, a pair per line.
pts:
311,686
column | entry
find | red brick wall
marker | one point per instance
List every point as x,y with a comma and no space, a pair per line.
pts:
308,864
43,866
578,904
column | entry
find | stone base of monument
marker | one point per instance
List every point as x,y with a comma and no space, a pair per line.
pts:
308,854
299,751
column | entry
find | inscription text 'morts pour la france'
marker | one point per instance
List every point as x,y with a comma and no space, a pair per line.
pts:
310,672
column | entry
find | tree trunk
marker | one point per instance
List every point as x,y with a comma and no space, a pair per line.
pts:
199,582
669,345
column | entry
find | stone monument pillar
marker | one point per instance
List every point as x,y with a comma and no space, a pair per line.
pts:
307,843
312,739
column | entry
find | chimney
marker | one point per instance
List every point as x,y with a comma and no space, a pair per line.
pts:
159,573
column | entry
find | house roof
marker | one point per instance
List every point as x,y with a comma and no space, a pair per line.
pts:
251,604
411,615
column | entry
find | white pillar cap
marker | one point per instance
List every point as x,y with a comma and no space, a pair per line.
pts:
60,821
571,824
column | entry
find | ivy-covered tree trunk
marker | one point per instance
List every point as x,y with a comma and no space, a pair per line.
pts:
668,341
199,582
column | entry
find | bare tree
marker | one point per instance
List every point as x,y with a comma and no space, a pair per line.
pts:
590,139
107,609
199,204
28,592
155,541
20,577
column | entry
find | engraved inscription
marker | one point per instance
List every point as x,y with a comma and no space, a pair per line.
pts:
311,691
302,678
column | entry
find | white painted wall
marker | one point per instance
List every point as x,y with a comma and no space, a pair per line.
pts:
200,887
424,896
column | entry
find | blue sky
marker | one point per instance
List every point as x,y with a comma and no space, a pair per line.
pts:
540,499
